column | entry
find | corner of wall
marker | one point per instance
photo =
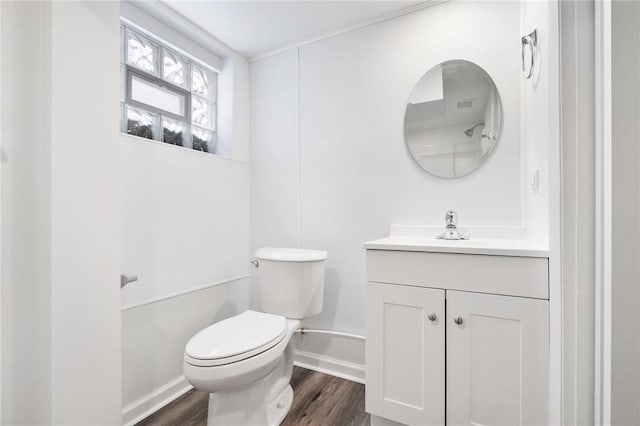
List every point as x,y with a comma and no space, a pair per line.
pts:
234,108
25,218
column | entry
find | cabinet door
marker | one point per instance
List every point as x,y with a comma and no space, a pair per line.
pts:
497,360
405,354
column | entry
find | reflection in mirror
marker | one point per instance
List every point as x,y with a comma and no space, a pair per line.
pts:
453,119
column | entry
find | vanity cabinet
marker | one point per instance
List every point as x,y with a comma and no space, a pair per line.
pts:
406,353
439,355
497,359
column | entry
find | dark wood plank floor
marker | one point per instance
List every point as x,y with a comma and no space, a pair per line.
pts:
318,399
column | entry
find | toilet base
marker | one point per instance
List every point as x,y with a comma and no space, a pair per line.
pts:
264,403
248,408
278,409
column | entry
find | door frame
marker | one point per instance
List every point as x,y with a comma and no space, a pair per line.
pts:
1,217
603,188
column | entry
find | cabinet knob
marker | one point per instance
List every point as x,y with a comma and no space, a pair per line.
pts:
432,317
458,320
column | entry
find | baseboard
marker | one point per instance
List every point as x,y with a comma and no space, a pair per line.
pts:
332,366
152,402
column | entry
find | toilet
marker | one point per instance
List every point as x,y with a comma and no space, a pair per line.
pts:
245,362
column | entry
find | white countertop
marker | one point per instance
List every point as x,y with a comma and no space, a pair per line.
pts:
493,247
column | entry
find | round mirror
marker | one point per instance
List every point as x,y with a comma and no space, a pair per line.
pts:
453,119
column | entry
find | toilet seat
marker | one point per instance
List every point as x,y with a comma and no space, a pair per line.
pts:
239,374
235,339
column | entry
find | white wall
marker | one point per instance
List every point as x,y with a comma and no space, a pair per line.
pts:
185,234
61,324
85,268
185,217
274,151
330,169
625,350
26,292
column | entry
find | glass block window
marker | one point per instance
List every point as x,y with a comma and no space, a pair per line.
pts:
141,123
174,69
174,132
203,83
203,140
142,52
202,113
167,96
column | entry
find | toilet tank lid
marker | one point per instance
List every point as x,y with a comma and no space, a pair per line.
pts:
290,254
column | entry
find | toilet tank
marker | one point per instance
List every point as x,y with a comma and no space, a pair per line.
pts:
289,282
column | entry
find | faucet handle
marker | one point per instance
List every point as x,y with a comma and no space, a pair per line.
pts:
451,219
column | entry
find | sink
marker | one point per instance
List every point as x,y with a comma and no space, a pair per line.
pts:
497,247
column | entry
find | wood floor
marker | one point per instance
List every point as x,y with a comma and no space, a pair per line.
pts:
318,399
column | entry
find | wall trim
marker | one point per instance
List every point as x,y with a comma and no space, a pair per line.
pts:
298,139
155,400
363,24
182,293
554,224
1,222
331,366
603,186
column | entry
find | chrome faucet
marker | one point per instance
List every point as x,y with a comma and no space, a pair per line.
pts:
451,230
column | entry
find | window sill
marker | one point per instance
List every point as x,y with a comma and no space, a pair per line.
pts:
179,148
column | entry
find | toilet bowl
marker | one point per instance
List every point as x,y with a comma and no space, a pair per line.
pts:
245,362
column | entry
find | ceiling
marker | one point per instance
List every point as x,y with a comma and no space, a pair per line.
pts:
253,28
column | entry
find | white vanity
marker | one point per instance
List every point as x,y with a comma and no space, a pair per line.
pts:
457,332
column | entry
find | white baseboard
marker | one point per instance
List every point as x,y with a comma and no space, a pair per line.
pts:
331,366
152,402
381,421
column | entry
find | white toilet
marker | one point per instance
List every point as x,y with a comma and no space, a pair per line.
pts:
245,362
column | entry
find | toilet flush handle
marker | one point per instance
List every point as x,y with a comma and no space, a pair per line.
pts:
255,263
126,279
